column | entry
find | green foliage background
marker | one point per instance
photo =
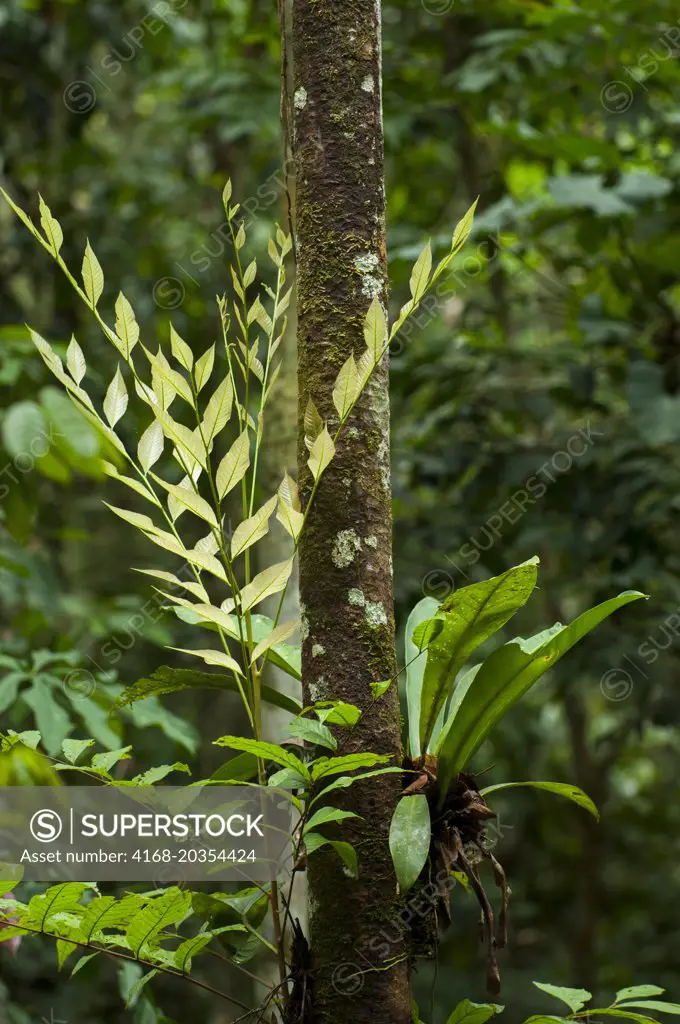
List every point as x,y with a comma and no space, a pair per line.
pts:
536,407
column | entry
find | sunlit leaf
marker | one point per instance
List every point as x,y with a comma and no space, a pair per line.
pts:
220,658
270,581
218,411
50,226
150,447
375,329
93,276
313,424
312,732
253,529
127,328
181,350
75,360
420,275
116,400
204,368
234,465
277,636
267,751
346,387
187,497
321,453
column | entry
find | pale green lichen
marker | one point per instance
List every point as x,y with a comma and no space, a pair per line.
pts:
375,614
372,542
317,690
368,266
383,454
318,650
374,611
368,85
304,623
345,547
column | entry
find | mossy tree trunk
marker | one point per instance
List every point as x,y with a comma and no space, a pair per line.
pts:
345,558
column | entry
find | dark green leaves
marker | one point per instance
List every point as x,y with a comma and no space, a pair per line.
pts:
504,678
470,617
410,839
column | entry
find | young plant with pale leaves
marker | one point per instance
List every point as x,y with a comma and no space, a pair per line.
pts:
198,454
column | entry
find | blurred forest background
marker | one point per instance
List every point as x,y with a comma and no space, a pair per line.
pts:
536,410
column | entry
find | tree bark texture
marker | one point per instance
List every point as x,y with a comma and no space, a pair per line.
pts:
345,557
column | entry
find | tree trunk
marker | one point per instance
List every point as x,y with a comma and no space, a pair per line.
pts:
345,557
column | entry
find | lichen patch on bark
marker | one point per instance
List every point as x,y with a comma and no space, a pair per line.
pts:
345,547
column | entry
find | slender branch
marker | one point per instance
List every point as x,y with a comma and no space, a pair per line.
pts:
147,963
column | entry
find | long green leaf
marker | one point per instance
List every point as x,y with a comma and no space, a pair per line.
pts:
267,751
171,680
241,768
564,789
638,992
415,669
651,1004
282,655
470,617
503,679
